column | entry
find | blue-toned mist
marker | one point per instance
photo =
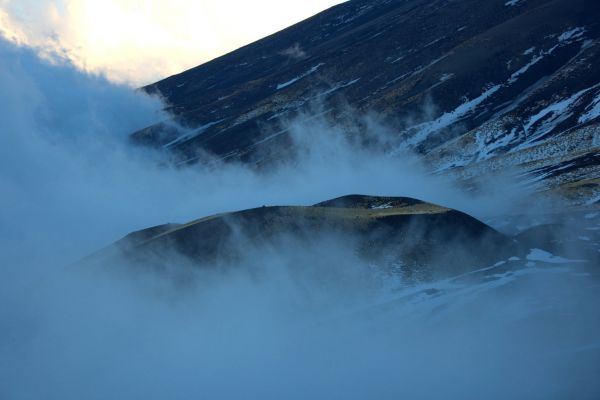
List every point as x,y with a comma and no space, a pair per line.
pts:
71,183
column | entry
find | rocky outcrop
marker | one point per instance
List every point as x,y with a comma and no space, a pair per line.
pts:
415,238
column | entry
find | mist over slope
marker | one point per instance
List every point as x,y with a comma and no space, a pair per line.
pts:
295,320
475,86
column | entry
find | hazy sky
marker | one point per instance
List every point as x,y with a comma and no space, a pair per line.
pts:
139,41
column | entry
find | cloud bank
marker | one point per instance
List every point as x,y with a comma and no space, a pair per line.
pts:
295,322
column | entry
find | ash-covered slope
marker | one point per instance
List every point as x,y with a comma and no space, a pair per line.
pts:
416,238
465,82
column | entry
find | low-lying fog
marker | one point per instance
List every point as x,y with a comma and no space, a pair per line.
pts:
295,321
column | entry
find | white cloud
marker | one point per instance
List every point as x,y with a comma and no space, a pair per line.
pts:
137,42
285,328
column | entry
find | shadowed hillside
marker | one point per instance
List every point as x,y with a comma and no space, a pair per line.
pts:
475,86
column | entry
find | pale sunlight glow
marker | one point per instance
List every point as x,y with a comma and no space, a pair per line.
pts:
136,42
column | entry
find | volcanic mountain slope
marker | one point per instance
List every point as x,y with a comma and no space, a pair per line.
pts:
475,86
417,239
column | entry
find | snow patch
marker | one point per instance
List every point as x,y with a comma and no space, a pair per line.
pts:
536,59
294,105
592,111
382,206
544,256
563,39
296,79
593,200
398,59
423,130
337,86
570,35
446,77
434,42
551,116
529,51
192,133
487,147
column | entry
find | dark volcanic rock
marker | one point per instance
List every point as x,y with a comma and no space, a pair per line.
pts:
414,237
497,74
